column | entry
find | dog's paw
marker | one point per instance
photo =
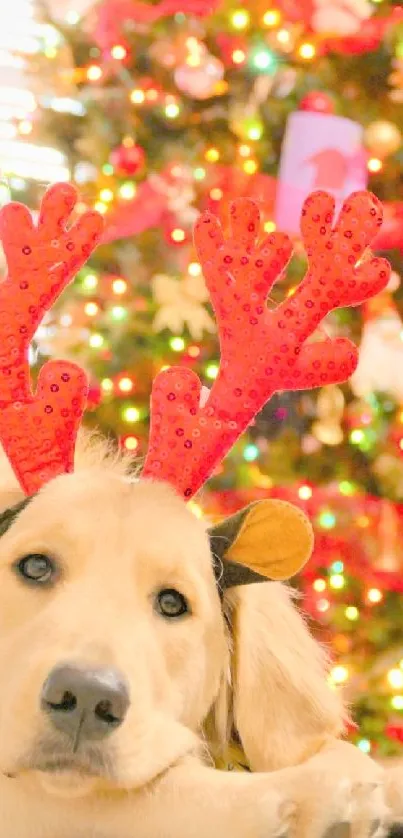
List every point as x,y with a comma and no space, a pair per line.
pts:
394,798
339,808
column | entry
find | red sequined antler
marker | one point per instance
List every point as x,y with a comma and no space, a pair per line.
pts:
38,431
262,350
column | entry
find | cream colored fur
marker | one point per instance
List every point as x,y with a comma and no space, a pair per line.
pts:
118,541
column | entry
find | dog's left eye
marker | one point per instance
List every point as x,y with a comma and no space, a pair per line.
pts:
36,568
170,603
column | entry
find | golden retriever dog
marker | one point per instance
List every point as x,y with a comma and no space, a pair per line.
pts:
124,671
136,642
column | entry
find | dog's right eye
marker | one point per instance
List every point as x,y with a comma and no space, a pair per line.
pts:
36,569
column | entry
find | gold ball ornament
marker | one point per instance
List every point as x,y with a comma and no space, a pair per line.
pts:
382,138
330,409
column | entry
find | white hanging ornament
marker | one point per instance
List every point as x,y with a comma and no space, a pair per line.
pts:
340,17
199,80
181,304
380,366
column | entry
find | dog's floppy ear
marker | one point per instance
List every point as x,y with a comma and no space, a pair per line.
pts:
283,707
270,539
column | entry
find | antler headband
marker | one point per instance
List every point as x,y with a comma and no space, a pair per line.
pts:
38,431
262,350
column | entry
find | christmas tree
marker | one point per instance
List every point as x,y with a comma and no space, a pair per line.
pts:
155,115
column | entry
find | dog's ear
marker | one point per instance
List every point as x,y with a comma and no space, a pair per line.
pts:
270,539
282,705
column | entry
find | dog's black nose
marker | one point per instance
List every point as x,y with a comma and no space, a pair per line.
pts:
85,703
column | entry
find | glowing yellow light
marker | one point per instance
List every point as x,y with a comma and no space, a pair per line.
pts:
250,167
337,581
319,585
212,371
397,702
307,51
272,17
177,344
357,436
119,286
50,52
196,509
238,56
125,385
270,226
395,678
106,195
131,443
107,385
172,110
90,282
374,165
194,269
374,595
212,155
91,309
240,19
101,207
165,367
305,492
94,72
178,235
137,96
96,341
131,414
323,605
245,150
25,127
216,194
255,131
193,60
119,52
194,351
127,191
339,674
283,36
352,613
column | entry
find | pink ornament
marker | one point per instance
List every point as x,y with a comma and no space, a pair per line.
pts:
320,151
318,102
128,160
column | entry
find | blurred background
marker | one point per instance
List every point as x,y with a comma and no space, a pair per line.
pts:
157,110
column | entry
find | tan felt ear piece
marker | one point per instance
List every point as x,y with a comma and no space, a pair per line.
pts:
270,539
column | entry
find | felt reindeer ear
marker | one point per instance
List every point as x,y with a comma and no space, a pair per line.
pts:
270,539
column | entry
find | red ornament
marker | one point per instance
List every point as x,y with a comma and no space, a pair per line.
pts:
94,397
38,430
263,350
128,160
317,101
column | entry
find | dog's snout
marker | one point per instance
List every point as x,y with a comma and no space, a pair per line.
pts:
85,703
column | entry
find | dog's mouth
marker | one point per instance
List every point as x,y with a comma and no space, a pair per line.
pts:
64,765
48,758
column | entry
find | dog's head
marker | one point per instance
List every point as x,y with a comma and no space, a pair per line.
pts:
113,643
